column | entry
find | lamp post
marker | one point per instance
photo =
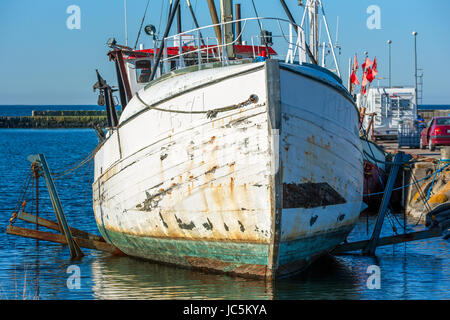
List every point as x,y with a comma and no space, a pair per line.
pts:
390,78
415,58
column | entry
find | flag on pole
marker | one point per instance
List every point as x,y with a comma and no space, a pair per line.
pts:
366,64
370,76
375,67
364,80
354,78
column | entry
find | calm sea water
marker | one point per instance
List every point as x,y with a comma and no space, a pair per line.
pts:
419,270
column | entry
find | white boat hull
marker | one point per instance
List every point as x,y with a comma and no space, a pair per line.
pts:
257,191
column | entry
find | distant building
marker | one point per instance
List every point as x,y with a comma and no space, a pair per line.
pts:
390,105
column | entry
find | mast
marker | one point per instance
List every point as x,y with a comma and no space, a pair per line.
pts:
195,20
161,47
313,14
215,20
179,28
226,10
126,27
291,18
237,11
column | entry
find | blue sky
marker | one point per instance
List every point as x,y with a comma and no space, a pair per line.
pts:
44,62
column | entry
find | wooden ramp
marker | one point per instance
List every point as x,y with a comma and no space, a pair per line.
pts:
72,237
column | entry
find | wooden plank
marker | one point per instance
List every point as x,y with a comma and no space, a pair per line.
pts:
54,226
59,238
413,236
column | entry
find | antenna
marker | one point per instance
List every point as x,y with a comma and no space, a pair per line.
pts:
337,30
126,31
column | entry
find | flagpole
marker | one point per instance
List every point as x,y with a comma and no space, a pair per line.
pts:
126,31
350,68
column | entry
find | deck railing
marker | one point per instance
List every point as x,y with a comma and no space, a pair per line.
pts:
198,47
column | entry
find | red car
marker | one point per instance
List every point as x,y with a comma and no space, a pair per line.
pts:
437,133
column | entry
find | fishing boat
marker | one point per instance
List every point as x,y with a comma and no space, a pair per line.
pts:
228,156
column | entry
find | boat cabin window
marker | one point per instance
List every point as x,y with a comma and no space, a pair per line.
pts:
143,71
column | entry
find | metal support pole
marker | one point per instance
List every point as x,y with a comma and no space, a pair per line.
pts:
195,20
291,18
215,20
329,40
372,245
390,78
415,58
237,11
39,160
161,47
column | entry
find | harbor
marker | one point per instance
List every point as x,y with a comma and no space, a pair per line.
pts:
40,272
238,154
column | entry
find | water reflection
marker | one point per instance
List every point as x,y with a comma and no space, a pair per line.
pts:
129,278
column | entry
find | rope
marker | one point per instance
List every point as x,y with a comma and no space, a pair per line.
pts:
431,189
22,200
410,184
142,23
75,167
422,195
210,114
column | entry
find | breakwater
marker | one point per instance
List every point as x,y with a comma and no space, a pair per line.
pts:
56,119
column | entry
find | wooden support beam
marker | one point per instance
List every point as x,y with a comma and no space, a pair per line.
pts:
413,236
39,159
59,238
54,226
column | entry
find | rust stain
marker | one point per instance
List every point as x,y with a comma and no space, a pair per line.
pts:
212,170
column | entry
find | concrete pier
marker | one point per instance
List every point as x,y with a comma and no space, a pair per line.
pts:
56,119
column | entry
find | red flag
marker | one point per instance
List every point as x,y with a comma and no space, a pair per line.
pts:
370,76
364,80
355,64
363,90
374,67
354,78
367,64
